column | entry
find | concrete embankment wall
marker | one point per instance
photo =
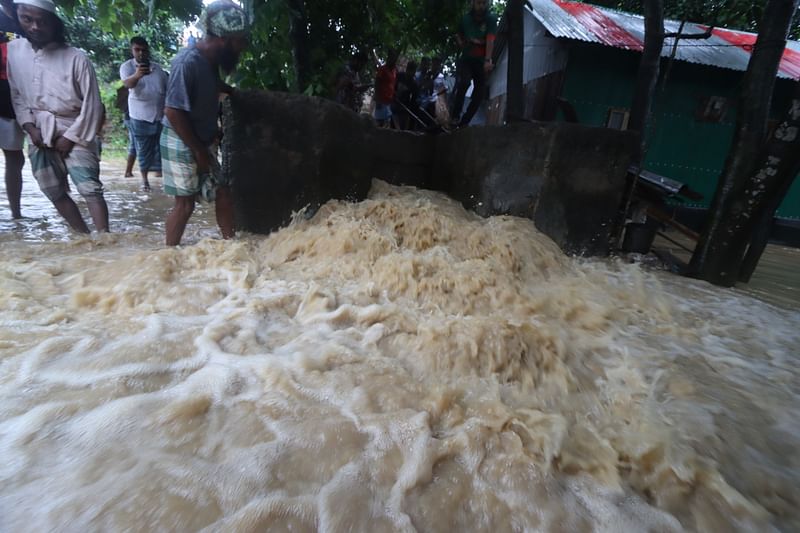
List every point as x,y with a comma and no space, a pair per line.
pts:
287,152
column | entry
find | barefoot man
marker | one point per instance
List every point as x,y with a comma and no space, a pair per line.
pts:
57,103
147,85
190,123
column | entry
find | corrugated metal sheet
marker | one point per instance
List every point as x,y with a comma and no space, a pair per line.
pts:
724,48
542,56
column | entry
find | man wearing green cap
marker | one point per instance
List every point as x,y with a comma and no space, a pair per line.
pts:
475,37
190,166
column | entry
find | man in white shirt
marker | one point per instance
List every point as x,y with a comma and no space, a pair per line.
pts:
57,102
147,86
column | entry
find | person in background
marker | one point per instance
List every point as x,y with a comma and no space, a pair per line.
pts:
147,87
121,103
385,82
423,70
101,132
405,98
11,136
437,96
425,84
190,165
475,37
57,102
348,89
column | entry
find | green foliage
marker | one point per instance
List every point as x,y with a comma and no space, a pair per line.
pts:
268,61
118,16
336,29
115,135
108,51
88,29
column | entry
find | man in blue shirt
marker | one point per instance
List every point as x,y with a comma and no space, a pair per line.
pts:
189,162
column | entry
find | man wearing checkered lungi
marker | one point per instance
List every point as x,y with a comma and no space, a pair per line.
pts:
189,165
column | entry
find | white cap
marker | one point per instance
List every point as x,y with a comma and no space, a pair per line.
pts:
47,5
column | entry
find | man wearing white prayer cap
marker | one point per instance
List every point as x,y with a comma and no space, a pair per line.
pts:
47,5
57,102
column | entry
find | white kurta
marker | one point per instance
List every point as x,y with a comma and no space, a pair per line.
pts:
55,88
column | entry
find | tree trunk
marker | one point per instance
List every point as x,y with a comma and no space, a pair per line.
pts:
649,67
763,229
250,8
719,254
298,36
767,189
644,91
515,103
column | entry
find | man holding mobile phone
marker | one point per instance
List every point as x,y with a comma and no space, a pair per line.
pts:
147,85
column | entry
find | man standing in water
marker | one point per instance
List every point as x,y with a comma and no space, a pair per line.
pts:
57,103
475,37
11,136
190,124
147,85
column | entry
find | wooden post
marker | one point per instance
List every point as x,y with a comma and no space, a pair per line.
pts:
515,102
649,67
298,36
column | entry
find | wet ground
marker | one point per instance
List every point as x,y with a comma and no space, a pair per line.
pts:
776,280
131,210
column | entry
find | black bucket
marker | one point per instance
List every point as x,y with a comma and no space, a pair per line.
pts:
639,237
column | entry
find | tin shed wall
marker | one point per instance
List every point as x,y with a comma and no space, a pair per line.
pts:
543,55
683,146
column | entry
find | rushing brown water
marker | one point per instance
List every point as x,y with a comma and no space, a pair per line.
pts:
393,365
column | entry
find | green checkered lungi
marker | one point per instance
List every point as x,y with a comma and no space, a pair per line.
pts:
179,168
51,170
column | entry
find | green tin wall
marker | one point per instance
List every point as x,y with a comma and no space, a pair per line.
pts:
600,78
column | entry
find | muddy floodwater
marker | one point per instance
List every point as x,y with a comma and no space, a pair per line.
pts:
398,364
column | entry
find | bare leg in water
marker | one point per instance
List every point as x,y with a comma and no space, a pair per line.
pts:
177,219
98,209
129,165
66,208
15,160
184,207
145,181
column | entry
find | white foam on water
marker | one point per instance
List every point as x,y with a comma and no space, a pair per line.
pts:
393,365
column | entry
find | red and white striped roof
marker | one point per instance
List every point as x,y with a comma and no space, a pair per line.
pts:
586,22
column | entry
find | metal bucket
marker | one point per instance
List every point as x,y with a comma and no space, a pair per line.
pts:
639,237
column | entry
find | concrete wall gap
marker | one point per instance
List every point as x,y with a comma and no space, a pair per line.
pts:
289,151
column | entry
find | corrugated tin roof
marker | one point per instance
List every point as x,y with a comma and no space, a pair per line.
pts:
586,22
